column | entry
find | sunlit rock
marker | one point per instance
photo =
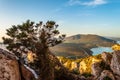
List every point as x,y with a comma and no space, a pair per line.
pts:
116,47
83,67
74,65
31,57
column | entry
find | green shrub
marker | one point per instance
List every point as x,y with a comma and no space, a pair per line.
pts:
86,75
107,78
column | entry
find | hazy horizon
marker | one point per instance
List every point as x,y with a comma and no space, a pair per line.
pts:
100,17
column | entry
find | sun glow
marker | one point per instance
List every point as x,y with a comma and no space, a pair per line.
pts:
31,57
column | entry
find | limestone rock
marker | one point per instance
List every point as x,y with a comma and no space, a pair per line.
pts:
82,67
96,69
12,69
9,67
74,65
115,63
106,57
26,74
106,74
117,77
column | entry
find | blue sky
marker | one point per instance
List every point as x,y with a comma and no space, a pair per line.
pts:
100,17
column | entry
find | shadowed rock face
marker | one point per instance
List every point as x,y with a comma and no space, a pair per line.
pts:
12,69
106,74
9,67
115,63
96,69
106,57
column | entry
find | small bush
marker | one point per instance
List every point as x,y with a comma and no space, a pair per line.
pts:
107,78
86,75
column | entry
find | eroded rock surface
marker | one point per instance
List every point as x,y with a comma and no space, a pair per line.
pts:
106,57
106,74
96,69
115,63
9,67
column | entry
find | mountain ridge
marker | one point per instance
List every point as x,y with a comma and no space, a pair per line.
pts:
80,44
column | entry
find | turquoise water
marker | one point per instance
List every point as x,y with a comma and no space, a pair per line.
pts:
99,50
118,42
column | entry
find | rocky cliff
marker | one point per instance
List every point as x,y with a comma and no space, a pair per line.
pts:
11,69
105,66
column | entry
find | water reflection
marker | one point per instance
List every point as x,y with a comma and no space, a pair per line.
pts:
118,42
99,50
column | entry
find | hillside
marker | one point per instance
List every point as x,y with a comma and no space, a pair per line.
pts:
71,49
90,41
114,38
80,45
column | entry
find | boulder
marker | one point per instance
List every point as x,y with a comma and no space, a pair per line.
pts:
82,67
9,67
12,69
26,74
96,69
74,65
106,75
106,57
115,63
117,77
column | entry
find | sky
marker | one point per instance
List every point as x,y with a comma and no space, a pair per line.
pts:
101,17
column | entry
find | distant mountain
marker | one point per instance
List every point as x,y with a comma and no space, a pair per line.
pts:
114,38
80,45
90,40
71,49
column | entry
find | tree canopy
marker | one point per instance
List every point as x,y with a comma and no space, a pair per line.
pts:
31,36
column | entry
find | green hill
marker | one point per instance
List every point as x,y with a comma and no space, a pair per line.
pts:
90,41
80,45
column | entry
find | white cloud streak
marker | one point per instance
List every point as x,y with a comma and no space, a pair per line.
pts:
87,3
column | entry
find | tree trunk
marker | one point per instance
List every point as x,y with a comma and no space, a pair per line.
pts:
43,66
49,68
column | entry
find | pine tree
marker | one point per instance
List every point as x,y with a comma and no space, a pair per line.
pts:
33,37
36,38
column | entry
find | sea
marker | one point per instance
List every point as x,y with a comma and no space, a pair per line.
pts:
99,50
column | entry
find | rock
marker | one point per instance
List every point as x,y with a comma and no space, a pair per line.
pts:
115,63
12,69
117,77
9,67
85,65
26,74
116,47
82,67
106,57
96,69
106,75
74,66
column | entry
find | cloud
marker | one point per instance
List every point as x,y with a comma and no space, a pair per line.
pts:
56,10
87,3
